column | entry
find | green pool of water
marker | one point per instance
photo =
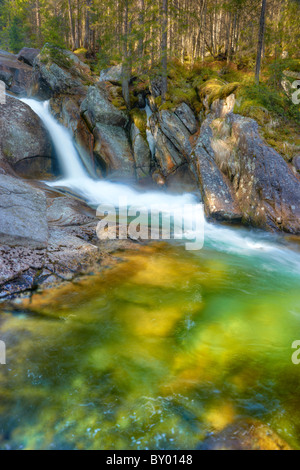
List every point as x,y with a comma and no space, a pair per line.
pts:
154,353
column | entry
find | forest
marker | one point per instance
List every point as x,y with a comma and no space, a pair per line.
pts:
144,31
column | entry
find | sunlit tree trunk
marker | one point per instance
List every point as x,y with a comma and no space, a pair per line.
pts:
72,29
260,40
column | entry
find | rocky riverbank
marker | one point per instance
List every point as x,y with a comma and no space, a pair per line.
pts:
199,146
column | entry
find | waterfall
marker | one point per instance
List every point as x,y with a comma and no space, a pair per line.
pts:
241,242
71,165
149,134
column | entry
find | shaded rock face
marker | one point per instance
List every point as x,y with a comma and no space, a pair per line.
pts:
57,71
17,75
22,214
114,151
108,125
172,141
183,180
24,143
112,74
28,55
245,435
141,152
96,108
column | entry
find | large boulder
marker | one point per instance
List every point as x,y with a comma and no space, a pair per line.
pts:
17,75
267,188
238,169
59,71
112,74
166,154
108,125
217,193
141,152
25,143
28,55
97,108
114,151
23,219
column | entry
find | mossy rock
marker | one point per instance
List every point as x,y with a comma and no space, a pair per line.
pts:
51,53
217,90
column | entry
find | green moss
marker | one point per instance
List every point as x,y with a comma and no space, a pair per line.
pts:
139,118
277,116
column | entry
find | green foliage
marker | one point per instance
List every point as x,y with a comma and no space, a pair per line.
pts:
271,99
16,35
52,53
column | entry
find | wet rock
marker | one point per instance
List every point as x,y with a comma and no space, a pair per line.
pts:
112,74
141,152
24,143
28,55
22,214
113,149
187,117
97,108
17,75
182,181
245,435
68,212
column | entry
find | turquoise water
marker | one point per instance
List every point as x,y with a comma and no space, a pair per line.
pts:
156,352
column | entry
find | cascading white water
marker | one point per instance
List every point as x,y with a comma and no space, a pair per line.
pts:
68,158
149,134
236,241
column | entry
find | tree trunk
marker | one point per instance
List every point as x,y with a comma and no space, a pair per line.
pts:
126,61
164,50
38,22
261,37
141,28
86,43
72,29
